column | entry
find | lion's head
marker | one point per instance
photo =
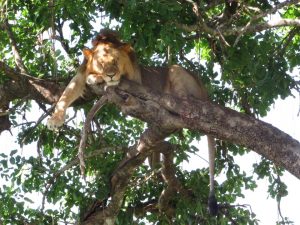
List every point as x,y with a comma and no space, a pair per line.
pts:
109,59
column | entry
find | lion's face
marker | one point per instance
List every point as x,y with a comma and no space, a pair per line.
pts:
106,62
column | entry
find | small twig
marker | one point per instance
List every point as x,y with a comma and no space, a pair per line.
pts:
71,118
286,41
223,38
31,129
86,130
299,105
74,162
241,33
205,160
63,41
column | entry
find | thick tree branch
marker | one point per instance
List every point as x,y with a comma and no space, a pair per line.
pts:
24,84
4,118
172,113
224,123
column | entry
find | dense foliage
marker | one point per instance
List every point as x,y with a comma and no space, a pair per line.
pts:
245,62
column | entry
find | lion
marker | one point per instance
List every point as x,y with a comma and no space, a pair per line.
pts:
110,60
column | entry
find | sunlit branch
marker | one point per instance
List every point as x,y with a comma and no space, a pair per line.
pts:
86,129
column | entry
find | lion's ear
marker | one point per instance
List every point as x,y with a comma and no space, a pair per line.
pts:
126,48
87,53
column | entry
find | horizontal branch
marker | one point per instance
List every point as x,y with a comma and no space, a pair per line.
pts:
224,123
40,90
250,27
263,26
242,29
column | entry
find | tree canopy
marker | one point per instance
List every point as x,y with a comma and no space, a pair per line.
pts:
247,54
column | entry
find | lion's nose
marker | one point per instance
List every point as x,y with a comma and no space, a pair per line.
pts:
110,71
111,74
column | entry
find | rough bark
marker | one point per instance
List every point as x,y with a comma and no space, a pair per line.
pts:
221,122
168,114
224,123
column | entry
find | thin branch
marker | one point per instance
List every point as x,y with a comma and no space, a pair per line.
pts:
286,41
201,25
168,174
248,28
242,29
299,103
51,5
75,162
274,9
40,89
140,209
86,129
13,109
63,41
18,59
264,26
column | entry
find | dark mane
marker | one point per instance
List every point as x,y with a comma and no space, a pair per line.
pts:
107,36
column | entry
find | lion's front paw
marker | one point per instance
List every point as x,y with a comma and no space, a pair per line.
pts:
93,79
55,121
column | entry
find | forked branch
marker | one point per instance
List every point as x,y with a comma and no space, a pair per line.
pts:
151,140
